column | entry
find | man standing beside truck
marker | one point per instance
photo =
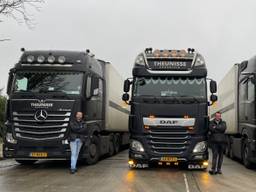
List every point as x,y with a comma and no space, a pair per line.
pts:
217,140
77,137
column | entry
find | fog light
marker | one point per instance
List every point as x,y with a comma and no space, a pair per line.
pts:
10,139
205,163
198,157
138,156
131,162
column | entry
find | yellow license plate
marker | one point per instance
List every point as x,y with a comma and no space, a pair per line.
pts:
38,154
169,159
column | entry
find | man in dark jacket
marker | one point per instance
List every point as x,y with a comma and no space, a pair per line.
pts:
217,140
78,130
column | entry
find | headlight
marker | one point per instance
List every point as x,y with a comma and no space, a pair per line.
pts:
200,147
136,146
140,60
9,138
199,60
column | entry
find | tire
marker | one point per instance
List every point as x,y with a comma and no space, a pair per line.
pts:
245,154
231,153
117,143
25,162
111,150
228,147
93,150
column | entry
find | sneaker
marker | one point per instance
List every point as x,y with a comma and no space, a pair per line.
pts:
72,171
212,172
219,172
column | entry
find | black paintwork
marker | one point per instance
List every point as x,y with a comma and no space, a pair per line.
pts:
164,107
92,106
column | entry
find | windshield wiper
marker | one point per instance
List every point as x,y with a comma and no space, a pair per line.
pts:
55,93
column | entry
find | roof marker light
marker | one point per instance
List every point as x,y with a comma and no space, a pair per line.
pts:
30,58
51,59
61,59
40,59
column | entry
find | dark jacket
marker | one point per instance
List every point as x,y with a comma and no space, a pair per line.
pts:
78,129
217,131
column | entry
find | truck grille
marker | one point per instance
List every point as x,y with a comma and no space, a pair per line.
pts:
168,140
55,126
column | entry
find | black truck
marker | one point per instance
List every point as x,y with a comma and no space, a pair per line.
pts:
168,119
46,89
237,103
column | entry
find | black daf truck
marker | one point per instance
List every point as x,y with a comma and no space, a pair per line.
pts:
168,119
46,89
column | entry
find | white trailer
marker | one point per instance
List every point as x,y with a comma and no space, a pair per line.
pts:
236,102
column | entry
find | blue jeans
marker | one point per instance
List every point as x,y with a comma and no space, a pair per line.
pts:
75,147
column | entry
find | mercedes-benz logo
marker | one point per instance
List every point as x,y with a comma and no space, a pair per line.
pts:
41,115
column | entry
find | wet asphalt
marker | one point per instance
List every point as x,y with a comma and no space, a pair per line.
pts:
113,175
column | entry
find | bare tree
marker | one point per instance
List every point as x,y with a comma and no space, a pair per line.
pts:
19,10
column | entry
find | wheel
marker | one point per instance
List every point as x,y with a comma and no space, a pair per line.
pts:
245,154
228,147
117,142
111,150
231,153
25,162
94,151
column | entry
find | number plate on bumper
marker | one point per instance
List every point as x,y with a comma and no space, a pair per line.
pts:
39,154
169,159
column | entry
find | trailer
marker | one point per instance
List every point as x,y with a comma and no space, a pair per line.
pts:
236,93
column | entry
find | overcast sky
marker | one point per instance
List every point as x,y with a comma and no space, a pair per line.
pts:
224,31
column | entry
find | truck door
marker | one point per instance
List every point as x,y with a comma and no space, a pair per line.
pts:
94,95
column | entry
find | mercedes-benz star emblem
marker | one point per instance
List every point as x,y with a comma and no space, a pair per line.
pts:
41,115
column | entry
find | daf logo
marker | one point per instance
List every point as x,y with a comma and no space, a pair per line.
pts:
170,122
41,115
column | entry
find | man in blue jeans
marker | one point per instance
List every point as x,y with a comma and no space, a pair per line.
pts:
78,130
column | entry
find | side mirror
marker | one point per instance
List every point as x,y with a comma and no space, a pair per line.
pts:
213,86
127,85
213,98
125,97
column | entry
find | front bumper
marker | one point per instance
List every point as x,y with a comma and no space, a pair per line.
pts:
185,157
58,152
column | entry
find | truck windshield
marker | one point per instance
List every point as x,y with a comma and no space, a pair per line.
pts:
170,87
44,82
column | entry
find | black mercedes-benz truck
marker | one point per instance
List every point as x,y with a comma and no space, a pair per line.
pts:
46,89
168,119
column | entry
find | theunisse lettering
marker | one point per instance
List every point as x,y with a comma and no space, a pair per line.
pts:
169,64
41,105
